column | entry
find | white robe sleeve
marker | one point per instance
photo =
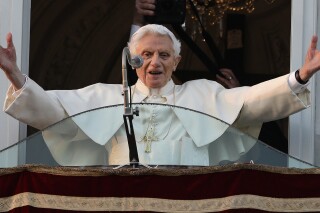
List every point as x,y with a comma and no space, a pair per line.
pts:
68,144
268,101
34,106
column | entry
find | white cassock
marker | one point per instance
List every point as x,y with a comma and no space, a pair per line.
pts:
177,138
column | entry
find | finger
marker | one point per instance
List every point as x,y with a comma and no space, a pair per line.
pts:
227,71
145,12
314,41
228,74
222,81
145,6
153,2
312,48
223,72
9,41
146,9
147,1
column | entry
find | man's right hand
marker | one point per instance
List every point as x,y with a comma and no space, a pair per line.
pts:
8,63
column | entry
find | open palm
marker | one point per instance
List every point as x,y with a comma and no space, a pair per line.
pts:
8,56
312,61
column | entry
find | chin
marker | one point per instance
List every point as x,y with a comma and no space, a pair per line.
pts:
155,85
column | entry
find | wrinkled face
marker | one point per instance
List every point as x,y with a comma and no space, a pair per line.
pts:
159,60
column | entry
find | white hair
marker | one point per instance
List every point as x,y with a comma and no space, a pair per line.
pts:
157,30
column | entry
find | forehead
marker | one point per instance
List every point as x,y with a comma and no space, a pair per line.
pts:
155,42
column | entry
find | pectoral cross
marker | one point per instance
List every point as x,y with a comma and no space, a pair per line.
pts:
149,138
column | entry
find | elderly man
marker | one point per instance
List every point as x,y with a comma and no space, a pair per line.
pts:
175,140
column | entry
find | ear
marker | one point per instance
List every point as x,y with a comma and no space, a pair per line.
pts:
176,62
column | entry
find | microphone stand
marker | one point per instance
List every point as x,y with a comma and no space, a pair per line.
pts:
129,112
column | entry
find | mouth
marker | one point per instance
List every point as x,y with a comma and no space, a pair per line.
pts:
155,72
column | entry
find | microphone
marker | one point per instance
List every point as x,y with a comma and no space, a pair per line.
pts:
136,62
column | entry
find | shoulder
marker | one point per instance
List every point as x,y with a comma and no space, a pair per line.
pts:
90,97
201,85
98,89
100,86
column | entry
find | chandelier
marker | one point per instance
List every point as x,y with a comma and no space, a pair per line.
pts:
211,12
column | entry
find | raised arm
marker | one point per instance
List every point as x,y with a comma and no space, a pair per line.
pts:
33,105
8,63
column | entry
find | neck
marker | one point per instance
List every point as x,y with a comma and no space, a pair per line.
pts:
154,91
165,90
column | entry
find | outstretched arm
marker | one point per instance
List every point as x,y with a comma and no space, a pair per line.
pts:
8,63
33,106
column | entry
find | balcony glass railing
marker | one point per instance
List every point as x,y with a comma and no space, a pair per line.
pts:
164,136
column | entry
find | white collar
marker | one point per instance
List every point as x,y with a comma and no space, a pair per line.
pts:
164,91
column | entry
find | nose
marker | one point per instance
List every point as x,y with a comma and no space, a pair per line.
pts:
155,60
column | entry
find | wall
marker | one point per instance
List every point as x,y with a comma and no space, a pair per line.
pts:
14,16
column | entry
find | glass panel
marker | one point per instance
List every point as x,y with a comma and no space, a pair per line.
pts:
164,136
